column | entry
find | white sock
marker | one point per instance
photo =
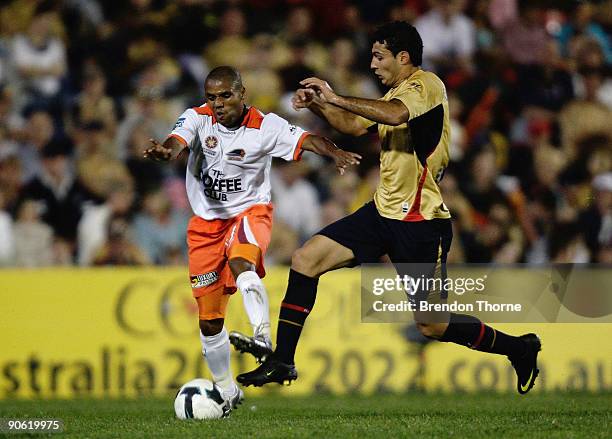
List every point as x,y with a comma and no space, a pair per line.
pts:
255,299
216,351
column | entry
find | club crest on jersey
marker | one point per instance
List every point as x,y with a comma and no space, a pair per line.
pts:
236,154
211,142
203,280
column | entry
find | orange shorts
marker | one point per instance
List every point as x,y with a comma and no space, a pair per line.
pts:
213,243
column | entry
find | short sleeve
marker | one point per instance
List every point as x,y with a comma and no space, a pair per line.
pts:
186,127
281,139
366,123
415,96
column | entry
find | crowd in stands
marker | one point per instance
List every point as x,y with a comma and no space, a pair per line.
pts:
85,83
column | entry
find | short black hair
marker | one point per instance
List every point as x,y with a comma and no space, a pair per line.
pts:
562,235
57,146
226,72
399,36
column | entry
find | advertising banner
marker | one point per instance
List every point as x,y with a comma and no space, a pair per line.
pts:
122,332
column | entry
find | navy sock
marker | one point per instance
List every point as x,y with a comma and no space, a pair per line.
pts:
469,331
297,304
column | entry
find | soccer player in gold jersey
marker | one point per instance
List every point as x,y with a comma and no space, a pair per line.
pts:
407,220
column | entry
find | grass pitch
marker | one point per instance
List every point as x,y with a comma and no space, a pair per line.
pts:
384,416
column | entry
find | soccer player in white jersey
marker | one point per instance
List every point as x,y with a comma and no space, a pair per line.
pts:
231,146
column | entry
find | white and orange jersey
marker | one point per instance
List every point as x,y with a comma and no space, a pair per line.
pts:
229,170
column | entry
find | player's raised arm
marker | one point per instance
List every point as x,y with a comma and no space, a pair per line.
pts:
392,112
325,147
340,119
170,149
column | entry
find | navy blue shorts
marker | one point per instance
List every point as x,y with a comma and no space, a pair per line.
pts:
370,236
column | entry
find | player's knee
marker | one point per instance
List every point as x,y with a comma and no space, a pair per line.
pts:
211,327
303,262
430,330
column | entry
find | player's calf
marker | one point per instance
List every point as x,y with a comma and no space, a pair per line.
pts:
521,351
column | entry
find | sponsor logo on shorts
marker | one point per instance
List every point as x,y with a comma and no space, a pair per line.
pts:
203,280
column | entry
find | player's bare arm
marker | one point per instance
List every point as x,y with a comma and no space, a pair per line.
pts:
342,120
170,150
392,113
325,147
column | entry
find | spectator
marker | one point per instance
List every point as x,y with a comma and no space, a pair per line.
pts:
295,199
582,118
580,23
93,105
296,68
299,25
566,245
159,230
596,221
291,74
341,71
448,35
58,193
458,139
357,31
146,106
590,79
6,231
366,188
481,189
93,226
34,247
262,82
146,174
342,191
38,132
119,249
485,37
283,243
15,16
547,85
10,176
232,47
40,57
97,164
524,36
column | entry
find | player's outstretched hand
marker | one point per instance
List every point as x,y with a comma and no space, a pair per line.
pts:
323,89
157,151
303,98
344,159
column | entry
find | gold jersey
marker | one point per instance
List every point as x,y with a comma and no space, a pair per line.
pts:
415,154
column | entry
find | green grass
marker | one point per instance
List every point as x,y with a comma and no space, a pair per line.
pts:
383,417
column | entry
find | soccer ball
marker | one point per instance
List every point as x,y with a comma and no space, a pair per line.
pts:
200,399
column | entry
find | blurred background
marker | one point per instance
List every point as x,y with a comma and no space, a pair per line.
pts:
85,83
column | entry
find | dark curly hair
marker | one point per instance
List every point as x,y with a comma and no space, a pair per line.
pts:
399,36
